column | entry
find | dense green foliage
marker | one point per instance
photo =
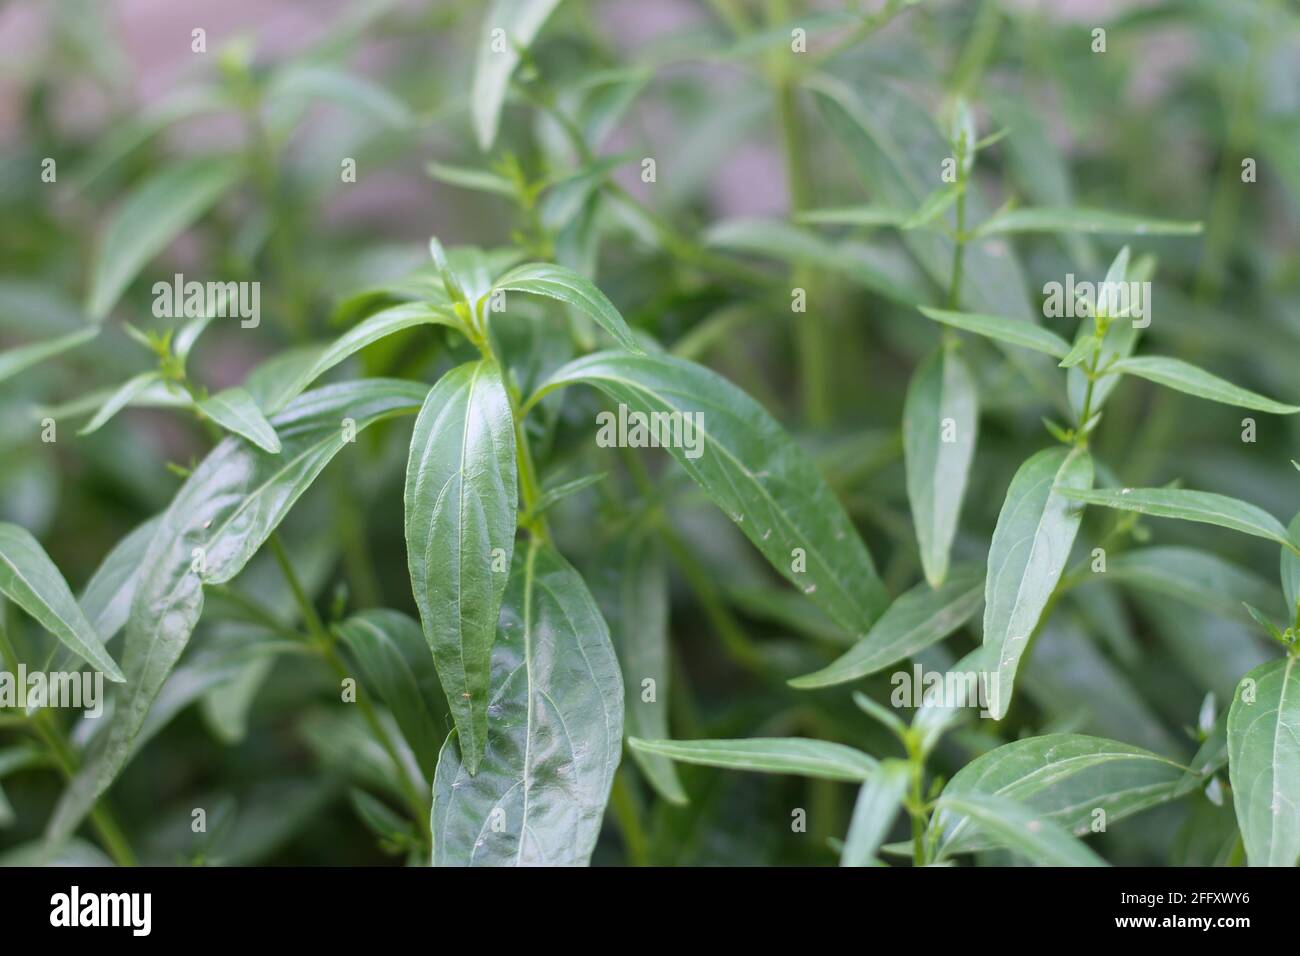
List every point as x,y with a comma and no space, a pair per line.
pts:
383,567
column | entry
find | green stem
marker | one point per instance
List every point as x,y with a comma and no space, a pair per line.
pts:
324,642
43,724
627,815
809,327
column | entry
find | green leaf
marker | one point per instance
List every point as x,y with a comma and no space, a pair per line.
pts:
1084,220
1198,578
1183,377
389,648
866,215
556,735
13,361
940,421
631,586
313,81
1203,506
1065,778
1291,572
751,469
1080,351
802,757
1264,762
29,578
223,513
461,501
934,206
294,371
509,27
106,600
557,282
150,218
1011,331
125,394
1031,544
479,180
878,804
235,411
921,617
1020,830
859,263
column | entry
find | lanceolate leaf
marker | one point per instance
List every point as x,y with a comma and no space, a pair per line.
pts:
1085,220
793,755
314,81
1291,573
557,282
1203,506
752,470
461,502
106,599
919,618
1004,330
235,411
1183,377
1031,544
878,804
1264,762
510,26
29,578
1066,778
13,361
1197,577
122,397
220,517
556,734
940,418
303,368
631,585
150,218
389,647
1011,824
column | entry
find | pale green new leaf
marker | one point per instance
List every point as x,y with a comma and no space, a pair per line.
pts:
313,81
556,734
223,513
294,371
752,470
1202,506
510,26
1066,778
15,360
461,505
1041,219
1030,546
1264,762
940,420
879,801
150,218
800,756
921,617
1013,825
1011,331
125,394
235,411
557,282
1183,377
29,578
479,180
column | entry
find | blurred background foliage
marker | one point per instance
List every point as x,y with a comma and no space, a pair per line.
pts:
1159,123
